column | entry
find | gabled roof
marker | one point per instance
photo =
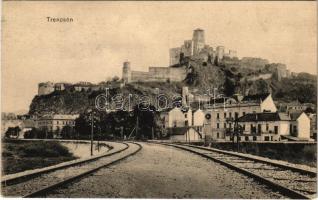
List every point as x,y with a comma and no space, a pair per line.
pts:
295,115
256,97
256,117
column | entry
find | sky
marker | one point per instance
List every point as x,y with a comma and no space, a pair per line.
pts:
105,34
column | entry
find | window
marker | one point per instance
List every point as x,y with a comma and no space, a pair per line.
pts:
254,138
224,125
186,123
243,113
271,138
224,115
266,138
267,127
185,115
217,134
276,129
259,128
244,127
236,115
230,115
230,125
253,129
217,125
246,138
218,115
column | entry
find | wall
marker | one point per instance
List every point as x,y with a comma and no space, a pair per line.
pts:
174,55
191,135
137,76
303,123
198,118
261,76
159,74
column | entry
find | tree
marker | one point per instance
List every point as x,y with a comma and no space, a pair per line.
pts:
13,132
66,132
82,126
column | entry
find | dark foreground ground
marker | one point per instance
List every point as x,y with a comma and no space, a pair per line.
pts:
18,156
165,172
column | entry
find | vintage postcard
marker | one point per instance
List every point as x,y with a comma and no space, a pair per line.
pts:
159,99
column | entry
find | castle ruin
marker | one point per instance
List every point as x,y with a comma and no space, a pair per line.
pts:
154,74
198,49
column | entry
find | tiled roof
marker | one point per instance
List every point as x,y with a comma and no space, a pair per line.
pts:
254,117
295,115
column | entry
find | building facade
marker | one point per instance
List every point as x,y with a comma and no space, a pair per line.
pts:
223,112
55,122
273,127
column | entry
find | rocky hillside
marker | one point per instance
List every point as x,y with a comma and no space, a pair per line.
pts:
229,76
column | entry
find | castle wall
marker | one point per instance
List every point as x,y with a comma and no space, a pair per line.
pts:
159,74
177,74
175,55
187,48
137,76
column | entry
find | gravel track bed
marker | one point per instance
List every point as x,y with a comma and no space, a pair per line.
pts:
50,178
304,183
159,171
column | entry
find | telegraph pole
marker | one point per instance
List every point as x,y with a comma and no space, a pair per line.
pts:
92,132
137,125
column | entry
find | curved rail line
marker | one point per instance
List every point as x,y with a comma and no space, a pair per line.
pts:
81,170
294,183
19,179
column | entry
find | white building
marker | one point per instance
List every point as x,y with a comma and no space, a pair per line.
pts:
223,111
273,127
176,117
300,125
56,122
263,126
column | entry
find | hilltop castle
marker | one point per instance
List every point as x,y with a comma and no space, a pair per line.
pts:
195,48
198,49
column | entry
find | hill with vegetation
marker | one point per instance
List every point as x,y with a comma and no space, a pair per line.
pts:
230,76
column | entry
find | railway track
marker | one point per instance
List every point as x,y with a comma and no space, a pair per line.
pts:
42,183
292,182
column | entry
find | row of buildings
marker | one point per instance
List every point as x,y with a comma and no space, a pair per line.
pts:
214,120
256,115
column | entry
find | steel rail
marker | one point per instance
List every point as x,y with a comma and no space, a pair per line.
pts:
45,190
292,168
23,178
275,186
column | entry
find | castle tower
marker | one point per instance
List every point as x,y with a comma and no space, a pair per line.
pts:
198,41
126,72
220,52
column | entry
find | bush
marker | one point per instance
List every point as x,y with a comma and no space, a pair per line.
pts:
46,149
